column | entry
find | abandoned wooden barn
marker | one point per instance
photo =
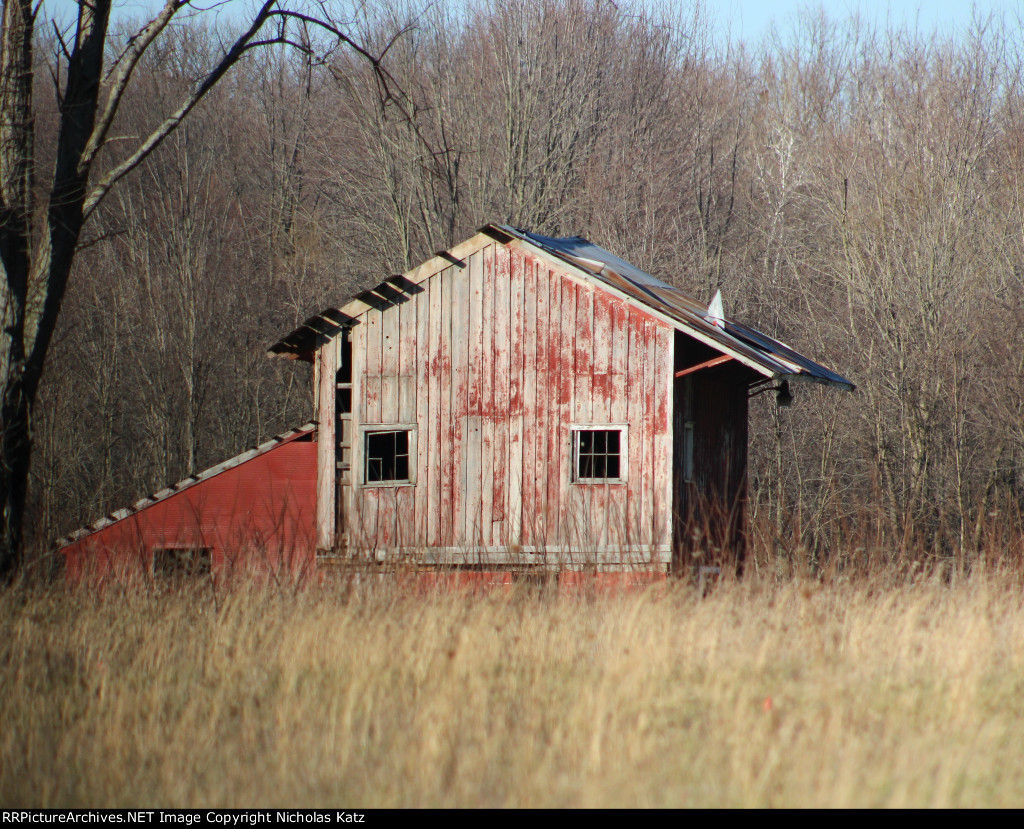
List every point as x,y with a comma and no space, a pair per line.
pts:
517,404
522,402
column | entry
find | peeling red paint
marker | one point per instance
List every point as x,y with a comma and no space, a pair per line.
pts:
523,351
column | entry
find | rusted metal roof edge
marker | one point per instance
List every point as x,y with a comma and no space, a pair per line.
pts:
784,352
737,352
186,483
806,377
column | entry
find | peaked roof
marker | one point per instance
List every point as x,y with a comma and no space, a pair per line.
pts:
766,355
186,483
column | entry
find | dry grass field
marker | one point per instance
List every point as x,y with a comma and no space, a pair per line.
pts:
759,694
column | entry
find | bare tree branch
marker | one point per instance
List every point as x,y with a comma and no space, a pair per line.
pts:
126,63
240,46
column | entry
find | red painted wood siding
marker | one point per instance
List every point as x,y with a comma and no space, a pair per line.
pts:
493,363
256,517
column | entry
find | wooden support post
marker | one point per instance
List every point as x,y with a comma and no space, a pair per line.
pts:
326,460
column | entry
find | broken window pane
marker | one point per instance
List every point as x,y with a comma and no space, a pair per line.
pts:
387,456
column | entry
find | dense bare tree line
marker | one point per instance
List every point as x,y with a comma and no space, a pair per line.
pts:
854,191
68,138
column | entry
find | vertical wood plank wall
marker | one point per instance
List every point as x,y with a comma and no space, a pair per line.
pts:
492,363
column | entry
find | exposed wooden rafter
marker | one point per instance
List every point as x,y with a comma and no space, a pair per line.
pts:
717,361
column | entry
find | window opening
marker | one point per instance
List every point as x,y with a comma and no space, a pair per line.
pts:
181,562
598,454
387,456
343,403
344,374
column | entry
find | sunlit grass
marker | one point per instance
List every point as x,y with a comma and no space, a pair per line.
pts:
759,694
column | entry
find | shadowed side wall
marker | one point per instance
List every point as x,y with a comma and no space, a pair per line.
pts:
709,489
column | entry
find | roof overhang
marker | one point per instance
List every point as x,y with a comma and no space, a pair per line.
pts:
759,352
320,329
586,261
316,331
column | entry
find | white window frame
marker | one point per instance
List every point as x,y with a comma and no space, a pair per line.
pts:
574,432
377,428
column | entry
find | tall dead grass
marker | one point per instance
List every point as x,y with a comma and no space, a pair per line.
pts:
759,694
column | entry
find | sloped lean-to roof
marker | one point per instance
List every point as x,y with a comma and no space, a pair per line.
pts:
187,483
765,355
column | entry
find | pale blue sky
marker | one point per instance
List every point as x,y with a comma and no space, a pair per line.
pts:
751,19
748,20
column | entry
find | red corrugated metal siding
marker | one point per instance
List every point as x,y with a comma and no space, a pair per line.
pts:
256,517
492,363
